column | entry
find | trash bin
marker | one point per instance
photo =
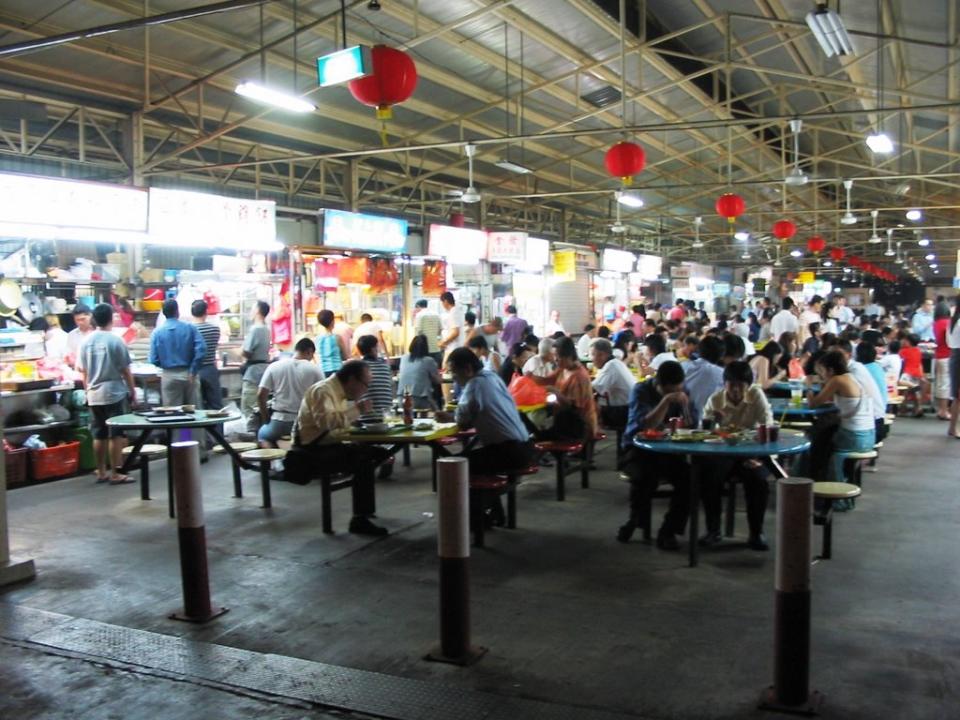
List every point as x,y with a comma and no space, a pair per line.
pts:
87,459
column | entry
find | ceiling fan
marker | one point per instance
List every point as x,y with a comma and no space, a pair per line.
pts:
796,176
697,222
470,194
874,238
848,217
618,227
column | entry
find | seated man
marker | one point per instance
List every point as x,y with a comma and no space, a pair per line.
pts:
703,375
613,384
504,443
329,406
288,380
652,403
380,392
743,405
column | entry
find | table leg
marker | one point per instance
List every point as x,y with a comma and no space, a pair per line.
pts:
694,510
235,456
135,452
170,498
776,468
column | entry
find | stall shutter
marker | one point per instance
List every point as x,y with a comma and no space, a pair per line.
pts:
572,299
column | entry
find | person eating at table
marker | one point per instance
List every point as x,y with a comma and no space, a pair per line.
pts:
503,442
739,406
652,404
613,384
575,412
329,406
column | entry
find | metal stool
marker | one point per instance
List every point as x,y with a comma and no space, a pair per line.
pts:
830,492
239,447
147,453
264,456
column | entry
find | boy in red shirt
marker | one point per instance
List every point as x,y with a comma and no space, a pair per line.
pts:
913,366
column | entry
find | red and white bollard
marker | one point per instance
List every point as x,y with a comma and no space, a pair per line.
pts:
185,460
453,546
790,691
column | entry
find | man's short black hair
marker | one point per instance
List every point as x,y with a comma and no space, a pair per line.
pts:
866,353
102,315
739,372
199,308
170,309
352,370
462,359
588,327
670,373
263,308
470,318
603,331
511,309
478,342
656,343
80,309
366,317
787,303
733,346
366,343
448,297
711,348
304,346
421,303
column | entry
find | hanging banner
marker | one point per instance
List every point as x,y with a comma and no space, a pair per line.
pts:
806,276
565,265
326,275
383,275
434,277
680,271
506,247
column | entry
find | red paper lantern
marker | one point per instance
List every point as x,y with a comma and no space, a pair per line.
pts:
392,81
783,230
730,206
624,160
836,254
816,244
854,261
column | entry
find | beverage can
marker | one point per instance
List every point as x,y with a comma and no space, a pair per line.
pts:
674,423
773,432
762,433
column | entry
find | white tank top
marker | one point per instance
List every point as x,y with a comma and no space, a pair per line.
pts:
855,413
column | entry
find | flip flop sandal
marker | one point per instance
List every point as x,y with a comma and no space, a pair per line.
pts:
122,480
100,480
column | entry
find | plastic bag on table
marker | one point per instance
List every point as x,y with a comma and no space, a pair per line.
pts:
525,392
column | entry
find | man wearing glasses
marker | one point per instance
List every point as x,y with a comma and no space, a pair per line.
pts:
328,406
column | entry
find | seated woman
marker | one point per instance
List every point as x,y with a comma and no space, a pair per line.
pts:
856,431
764,365
513,365
575,413
419,373
742,405
491,358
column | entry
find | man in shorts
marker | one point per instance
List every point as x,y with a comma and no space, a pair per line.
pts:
105,363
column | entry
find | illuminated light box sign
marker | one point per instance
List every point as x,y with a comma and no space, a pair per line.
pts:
343,65
51,208
358,231
649,267
459,246
537,255
618,261
192,219
507,247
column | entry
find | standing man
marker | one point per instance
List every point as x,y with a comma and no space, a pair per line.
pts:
554,325
845,314
209,375
452,336
784,321
922,322
427,323
105,364
256,351
330,406
678,312
177,349
810,315
77,336
514,330
288,381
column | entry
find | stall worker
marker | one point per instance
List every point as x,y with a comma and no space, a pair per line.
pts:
742,405
55,340
329,406
368,326
256,351
287,380
331,348
77,336
652,404
209,374
427,323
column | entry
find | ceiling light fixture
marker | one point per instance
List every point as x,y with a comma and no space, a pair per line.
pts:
796,253
848,218
796,176
929,256
914,215
828,28
742,235
827,263
513,167
277,99
934,266
923,242
880,143
874,238
746,255
629,199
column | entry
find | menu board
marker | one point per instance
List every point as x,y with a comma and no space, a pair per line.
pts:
506,247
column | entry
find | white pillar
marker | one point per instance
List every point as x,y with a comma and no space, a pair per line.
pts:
11,571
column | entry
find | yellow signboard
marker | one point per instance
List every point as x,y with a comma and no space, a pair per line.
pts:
805,277
565,265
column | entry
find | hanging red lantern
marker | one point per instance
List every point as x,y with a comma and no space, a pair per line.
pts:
783,230
624,160
730,206
836,254
392,81
854,261
816,244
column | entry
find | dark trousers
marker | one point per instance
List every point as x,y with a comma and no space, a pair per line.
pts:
361,460
500,458
755,488
646,471
210,393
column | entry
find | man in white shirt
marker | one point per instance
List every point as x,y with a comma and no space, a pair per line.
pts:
583,344
554,325
452,324
542,363
845,314
656,349
288,380
784,321
614,383
810,315
76,337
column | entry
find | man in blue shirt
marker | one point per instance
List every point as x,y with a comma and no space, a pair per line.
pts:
704,374
177,348
652,403
486,405
922,322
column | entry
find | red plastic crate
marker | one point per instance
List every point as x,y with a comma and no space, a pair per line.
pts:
15,462
56,461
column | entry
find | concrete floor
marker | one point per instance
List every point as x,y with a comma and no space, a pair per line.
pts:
570,616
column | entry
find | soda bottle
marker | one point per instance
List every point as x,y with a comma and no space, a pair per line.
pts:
407,407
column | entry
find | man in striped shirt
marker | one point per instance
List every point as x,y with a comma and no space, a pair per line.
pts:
209,375
427,323
380,390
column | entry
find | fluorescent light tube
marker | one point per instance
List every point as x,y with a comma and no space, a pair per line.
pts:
828,29
880,143
914,215
273,97
513,167
630,200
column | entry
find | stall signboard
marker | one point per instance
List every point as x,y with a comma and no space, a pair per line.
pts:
507,247
565,265
538,254
359,231
649,267
343,65
680,272
699,270
458,246
806,276
721,288
618,261
51,208
191,219
681,283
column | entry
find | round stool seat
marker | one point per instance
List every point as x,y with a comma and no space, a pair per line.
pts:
488,482
835,490
150,450
557,446
264,454
895,401
239,447
530,470
868,455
